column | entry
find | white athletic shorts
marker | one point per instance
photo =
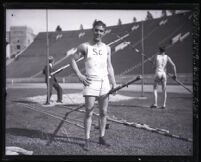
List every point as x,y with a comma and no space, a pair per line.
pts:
97,87
160,76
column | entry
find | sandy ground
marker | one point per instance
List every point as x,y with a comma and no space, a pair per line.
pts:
30,124
136,88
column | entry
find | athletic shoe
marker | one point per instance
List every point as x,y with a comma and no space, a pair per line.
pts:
47,103
153,106
58,101
162,107
103,142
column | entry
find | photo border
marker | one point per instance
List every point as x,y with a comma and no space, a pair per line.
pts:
107,5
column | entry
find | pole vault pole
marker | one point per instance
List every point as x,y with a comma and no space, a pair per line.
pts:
68,65
83,105
48,70
142,92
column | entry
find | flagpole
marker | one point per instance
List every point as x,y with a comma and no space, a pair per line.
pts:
142,88
47,63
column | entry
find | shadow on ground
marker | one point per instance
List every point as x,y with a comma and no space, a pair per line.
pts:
24,101
46,136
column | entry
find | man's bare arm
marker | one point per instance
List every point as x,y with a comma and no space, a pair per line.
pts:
173,66
76,56
110,69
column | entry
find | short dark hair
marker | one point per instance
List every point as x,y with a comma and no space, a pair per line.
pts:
162,49
51,59
99,23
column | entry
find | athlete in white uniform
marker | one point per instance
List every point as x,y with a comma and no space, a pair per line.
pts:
160,64
99,74
96,68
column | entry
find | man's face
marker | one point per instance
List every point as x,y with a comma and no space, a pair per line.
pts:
99,32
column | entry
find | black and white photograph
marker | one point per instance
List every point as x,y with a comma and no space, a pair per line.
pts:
101,82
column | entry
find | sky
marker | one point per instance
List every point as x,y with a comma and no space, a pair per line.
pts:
71,19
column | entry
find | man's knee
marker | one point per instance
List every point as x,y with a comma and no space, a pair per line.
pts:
155,86
164,88
89,113
60,89
103,113
89,110
164,85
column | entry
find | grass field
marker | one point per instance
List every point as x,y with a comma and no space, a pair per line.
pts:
34,126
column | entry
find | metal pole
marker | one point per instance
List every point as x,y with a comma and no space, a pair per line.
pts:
142,88
48,71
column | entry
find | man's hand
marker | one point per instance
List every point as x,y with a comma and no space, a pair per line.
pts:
174,77
113,87
84,79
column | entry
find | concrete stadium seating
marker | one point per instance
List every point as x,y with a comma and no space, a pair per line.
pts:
156,32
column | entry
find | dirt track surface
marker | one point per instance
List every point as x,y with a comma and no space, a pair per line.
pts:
136,88
32,130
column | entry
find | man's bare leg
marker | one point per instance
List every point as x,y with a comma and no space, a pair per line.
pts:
164,93
155,105
103,105
89,106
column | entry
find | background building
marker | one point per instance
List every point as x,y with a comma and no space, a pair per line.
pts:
19,38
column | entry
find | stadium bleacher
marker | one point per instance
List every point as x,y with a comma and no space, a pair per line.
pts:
175,32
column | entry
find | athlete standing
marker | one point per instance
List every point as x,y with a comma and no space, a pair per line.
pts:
160,63
99,74
52,81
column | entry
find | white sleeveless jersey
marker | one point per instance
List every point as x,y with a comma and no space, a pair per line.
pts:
161,62
96,61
